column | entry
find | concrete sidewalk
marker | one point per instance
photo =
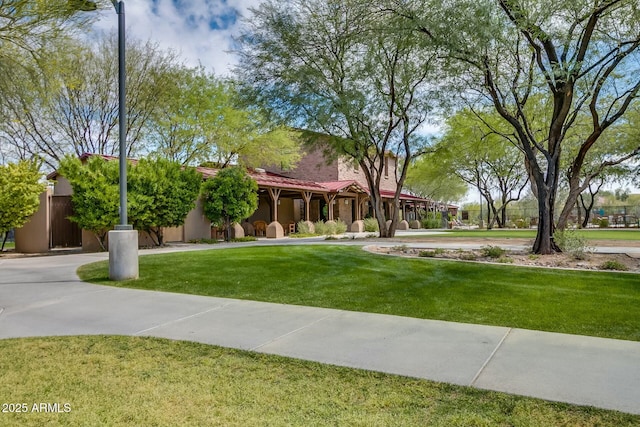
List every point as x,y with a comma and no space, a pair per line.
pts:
43,296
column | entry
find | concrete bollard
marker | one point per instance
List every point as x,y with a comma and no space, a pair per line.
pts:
123,254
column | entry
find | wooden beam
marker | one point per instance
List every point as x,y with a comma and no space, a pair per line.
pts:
330,199
306,196
274,193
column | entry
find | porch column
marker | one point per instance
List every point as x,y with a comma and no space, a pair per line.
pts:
306,196
274,193
330,201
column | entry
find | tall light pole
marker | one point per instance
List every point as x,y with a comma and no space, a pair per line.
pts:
122,115
123,241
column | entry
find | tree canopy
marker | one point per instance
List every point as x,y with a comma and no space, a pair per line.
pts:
96,194
347,71
20,189
164,193
580,56
203,120
69,103
160,194
230,196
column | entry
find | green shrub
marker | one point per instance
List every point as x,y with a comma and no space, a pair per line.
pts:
341,227
603,222
205,241
523,223
468,256
320,228
244,239
493,251
432,220
303,228
613,265
371,225
427,254
431,253
572,243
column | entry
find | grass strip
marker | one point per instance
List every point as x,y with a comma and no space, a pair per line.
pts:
591,234
602,304
125,381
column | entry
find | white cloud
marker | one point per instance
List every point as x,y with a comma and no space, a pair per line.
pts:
186,27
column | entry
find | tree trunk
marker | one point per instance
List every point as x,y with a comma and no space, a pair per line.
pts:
159,240
579,213
4,240
571,201
544,243
378,209
227,229
587,210
102,240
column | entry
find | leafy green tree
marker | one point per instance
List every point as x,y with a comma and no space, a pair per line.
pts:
480,152
202,120
347,71
28,25
95,195
20,189
163,194
431,176
229,197
68,102
27,31
580,56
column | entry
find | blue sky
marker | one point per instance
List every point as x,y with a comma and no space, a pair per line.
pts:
201,30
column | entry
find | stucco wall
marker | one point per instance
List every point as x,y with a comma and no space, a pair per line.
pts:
348,172
173,234
344,210
62,187
33,237
312,167
196,225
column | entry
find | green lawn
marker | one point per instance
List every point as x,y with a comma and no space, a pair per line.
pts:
132,381
591,234
345,277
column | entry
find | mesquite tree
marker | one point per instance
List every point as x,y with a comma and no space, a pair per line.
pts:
582,56
346,70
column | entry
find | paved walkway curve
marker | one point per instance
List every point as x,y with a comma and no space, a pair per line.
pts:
44,297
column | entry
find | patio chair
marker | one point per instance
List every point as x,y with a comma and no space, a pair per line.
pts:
260,228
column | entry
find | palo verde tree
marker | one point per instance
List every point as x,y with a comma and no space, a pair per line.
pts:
431,176
202,119
476,148
68,104
27,30
20,189
229,197
582,56
345,70
164,193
